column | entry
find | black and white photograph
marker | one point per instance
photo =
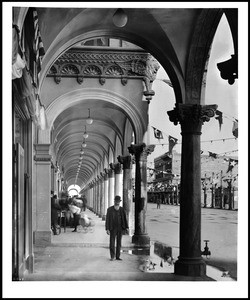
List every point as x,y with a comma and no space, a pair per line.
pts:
125,149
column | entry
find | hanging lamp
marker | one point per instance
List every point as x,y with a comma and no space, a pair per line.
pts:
84,145
89,120
85,135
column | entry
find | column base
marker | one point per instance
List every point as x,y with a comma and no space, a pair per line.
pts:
30,263
190,267
141,240
42,238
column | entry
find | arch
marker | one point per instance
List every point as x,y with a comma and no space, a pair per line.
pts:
111,156
168,59
76,96
128,137
19,16
118,149
204,32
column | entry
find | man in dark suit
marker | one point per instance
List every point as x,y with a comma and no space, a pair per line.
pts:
116,223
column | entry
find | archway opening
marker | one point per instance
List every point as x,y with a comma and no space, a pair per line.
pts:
73,190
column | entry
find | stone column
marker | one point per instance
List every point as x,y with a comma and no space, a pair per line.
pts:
42,235
99,199
94,196
111,195
55,180
102,212
90,196
106,192
98,196
191,118
140,237
127,195
118,179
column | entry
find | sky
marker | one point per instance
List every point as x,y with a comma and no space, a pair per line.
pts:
218,91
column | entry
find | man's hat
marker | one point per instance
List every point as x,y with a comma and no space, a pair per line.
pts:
118,199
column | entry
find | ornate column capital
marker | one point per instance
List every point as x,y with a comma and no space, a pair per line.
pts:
102,175
149,149
126,161
106,174
42,152
191,116
99,179
136,149
116,167
111,171
141,150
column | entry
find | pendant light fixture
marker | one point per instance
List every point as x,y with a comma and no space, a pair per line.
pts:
120,18
85,135
84,145
89,120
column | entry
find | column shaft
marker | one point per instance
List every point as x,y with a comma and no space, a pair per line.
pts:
191,118
127,187
42,235
111,194
140,237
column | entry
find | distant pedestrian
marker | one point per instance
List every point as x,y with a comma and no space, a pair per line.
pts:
158,202
55,208
76,211
116,223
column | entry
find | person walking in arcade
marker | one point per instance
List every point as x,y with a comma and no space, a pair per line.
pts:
116,223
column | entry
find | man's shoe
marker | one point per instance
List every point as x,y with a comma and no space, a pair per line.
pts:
118,258
112,259
74,231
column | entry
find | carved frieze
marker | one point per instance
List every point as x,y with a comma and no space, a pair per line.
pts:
104,64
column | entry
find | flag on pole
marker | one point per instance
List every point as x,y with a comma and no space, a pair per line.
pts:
231,164
219,118
172,142
235,129
167,81
214,155
161,264
37,48
157,133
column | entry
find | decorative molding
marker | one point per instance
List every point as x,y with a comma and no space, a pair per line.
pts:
42,158
104,64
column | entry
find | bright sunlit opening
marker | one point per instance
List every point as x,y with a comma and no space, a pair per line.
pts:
73,190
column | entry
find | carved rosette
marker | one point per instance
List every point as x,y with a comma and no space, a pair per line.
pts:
80,63
191,116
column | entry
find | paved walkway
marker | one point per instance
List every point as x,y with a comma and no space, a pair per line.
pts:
84,256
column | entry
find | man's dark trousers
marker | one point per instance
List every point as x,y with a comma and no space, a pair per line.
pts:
115,235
